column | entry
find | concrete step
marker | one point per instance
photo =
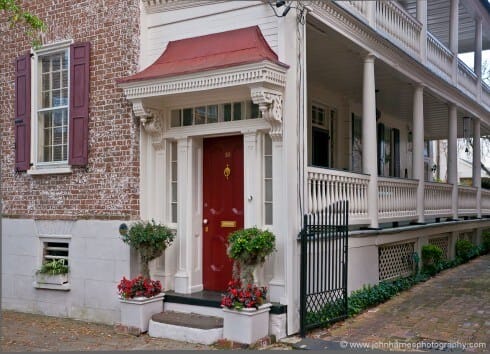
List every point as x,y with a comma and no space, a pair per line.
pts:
186,327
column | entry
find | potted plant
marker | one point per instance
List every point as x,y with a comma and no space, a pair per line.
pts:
53,272
248,248
246,313
142,297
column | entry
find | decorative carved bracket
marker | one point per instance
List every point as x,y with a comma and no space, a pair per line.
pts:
151,121
270,105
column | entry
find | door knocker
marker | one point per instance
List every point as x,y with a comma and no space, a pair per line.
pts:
227,171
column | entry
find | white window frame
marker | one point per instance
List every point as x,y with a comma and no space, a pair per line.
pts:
54,167
43,239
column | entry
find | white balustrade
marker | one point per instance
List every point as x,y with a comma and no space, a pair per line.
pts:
439,58
485,202
438,199
466,200
358,8
398,25
326,186
467,79
397,199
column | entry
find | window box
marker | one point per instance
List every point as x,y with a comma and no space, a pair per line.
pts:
58,279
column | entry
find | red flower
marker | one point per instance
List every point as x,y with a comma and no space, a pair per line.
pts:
138,286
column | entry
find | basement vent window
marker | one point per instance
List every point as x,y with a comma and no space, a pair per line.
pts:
55,255
55,251
396,260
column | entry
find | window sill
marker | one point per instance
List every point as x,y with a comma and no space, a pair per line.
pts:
59,287
49,170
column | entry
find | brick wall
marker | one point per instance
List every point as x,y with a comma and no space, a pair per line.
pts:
108,187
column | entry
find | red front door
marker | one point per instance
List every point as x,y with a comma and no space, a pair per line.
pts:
222,206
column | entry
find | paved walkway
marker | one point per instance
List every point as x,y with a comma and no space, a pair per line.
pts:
452,307
27,332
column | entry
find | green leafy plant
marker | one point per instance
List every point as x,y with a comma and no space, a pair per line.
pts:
15,15
249,248
485,241
149,239
432,257
54,267
465,250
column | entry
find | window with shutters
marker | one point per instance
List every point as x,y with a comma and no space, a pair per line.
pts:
51,100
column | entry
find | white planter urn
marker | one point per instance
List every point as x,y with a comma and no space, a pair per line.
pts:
137,312
246,326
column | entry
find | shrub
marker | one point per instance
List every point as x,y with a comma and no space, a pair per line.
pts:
54,267
150,240
431,259
465,250
137,287
249,248
486,241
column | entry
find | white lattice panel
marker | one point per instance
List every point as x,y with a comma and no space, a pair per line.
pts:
396,260
442,243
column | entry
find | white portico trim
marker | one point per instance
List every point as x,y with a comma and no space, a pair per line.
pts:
164,145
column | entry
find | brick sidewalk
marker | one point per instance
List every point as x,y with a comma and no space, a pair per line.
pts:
454,306
27,332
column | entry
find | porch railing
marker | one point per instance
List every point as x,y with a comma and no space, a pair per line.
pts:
485,202
399,25
439,58
467,79
466,200
327,186
397,199
438,199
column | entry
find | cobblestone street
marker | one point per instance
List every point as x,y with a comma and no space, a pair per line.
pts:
452,307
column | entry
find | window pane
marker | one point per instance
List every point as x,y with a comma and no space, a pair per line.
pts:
268,145
174,212
212,113
268,190
56,98
65,60
268,213
47,154
45,82
45,64
64,82
227,112
57,136
187,116
56,80
174,171
174,151
254,110
56,63
57,153
268,166
174,192
175,119
53,140
45,99
200,114
237,111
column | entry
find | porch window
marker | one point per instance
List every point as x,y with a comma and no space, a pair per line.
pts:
214,113
267,180
356,143
322,120
173,182
388,151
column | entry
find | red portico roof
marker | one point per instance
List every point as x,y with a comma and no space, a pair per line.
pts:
213,51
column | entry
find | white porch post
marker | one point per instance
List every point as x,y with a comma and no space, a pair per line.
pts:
418,148
369,147
453,34
452,156
422,17
184,216
277,285
477,164
478,55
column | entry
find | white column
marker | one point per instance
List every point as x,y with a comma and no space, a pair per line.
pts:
418,148
478,47
477,163
369,139
251,178
422,17
184,216
453,34
277,289
452,156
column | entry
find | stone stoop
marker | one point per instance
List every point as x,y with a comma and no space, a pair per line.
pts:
186,327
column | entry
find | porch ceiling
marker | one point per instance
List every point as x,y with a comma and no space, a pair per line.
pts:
336,64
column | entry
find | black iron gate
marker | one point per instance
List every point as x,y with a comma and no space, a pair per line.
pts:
323,272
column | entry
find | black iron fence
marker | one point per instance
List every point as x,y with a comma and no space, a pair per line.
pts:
323,273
